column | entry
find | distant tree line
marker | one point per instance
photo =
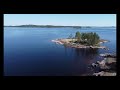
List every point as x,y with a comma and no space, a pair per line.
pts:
44,26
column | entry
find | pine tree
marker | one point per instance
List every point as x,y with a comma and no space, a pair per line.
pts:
78,36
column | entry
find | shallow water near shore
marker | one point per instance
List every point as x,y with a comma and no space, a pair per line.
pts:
30,52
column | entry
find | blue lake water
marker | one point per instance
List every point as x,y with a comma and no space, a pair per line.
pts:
30,52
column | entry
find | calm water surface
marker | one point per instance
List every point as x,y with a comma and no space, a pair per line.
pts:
30,52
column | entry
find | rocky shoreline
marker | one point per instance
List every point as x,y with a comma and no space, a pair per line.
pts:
106,67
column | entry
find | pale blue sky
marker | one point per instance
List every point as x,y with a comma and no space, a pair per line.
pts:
61,19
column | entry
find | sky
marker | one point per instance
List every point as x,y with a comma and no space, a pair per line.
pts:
61,19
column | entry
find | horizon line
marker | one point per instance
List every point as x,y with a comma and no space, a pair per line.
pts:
60,25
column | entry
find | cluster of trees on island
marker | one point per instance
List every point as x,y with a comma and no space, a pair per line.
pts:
91,38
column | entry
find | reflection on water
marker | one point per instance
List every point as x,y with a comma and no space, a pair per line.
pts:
85,57
86,52
81,58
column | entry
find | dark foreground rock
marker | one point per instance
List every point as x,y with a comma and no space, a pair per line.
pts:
102,73
106,67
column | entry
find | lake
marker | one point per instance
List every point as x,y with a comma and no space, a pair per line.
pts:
30,52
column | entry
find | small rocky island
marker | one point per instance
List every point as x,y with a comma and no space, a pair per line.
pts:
82,40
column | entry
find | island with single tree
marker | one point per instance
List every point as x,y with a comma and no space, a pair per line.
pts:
82,40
